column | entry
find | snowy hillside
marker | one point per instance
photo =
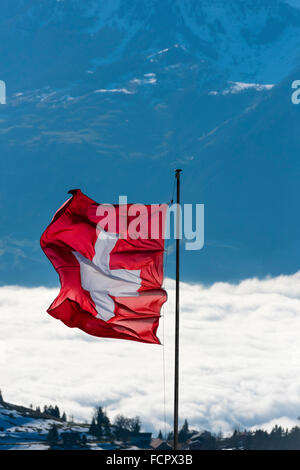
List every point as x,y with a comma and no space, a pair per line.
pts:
23,428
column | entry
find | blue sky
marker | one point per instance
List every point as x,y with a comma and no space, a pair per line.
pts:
99,123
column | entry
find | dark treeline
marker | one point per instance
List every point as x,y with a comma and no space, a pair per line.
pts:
53,411
100,424
48,409
277,439
123,427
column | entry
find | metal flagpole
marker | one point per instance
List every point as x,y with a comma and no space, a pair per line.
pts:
176,375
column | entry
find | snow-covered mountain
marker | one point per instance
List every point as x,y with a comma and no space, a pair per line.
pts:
127,88
58,41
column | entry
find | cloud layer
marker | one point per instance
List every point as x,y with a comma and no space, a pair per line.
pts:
240,357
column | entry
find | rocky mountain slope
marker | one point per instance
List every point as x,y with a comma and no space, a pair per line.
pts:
124,91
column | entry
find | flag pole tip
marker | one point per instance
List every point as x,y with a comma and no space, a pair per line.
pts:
73,191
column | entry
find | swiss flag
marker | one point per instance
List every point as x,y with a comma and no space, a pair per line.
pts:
111,282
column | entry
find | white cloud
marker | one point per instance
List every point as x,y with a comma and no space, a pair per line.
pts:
238,87
240,357
115,90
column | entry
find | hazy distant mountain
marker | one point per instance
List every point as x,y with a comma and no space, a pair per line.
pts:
53,42
111,96
249,172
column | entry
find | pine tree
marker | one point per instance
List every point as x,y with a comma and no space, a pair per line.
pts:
99,432
184,432
100,416
100,423
52,436
56,412
106,424
160,436
64,417
1,398
93,427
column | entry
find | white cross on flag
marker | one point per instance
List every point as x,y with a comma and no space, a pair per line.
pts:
111,282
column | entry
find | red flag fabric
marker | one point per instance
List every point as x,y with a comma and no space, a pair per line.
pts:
111,281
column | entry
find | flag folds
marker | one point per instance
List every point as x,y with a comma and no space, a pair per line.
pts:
111,279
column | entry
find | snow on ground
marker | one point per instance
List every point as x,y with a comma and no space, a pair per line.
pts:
25,446
155,55
22,431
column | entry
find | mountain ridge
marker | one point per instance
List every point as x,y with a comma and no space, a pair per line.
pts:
158,88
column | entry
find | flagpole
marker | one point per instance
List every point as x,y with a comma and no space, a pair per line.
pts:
176,374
